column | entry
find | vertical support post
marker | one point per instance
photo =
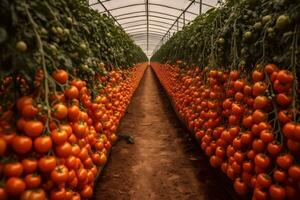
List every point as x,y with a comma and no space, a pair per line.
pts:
200,7
177,24
147,14
183,18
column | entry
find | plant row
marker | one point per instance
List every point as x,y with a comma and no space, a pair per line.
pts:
67,74
56,153
246,123
239,34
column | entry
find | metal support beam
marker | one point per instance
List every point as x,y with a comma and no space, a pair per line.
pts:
139,31
142,38
99,1
145,29
154,4
142,11
200,7
205,4
150,20
151,34
185,10
143,24
150,4
147,13
159,17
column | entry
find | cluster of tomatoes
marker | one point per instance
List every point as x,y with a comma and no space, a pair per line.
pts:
56,152
246,123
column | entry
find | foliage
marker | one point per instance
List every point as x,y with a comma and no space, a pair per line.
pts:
239,34
59,34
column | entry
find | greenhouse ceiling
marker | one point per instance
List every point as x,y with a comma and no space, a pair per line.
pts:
152,22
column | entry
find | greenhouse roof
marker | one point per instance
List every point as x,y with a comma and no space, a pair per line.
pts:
152,22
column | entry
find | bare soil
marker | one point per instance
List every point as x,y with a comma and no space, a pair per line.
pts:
165,162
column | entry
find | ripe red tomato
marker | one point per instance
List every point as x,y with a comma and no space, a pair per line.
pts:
60,111
61,76
58,194
32,181
42,144
240,187
3,146
59,136
285,161
86,192
36,194
47,164
72,92
63,150
14,169
33,128
60,174
21,144
264,180
277,192
29,165
15,186
262,161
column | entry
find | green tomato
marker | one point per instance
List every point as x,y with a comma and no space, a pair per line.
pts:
59,30
69,19
53,29
102,65
283,22
258,26
83,46
221,41
66,31
53,47
266,19
21,46
248,35
44,31
85,67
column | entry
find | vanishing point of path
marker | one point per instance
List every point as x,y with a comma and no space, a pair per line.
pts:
164,163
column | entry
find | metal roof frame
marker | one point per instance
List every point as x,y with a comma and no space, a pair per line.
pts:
152,34
150,20
150,24
150,4
142,11
160,29
147,13
133,32
177,20
139,38
199,2
145,28
120,19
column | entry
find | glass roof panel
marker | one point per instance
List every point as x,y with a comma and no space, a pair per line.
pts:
151,29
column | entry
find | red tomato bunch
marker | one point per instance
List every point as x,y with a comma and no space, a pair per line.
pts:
248,124
56,152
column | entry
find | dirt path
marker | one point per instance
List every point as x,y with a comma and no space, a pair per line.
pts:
164,163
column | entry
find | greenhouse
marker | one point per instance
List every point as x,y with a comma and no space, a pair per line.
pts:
149,99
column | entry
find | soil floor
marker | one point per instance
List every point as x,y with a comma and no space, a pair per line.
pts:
164,162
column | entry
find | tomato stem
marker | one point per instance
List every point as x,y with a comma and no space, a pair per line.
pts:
293,65
46,75
278,129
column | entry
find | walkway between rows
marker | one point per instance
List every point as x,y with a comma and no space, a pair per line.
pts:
164,163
